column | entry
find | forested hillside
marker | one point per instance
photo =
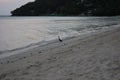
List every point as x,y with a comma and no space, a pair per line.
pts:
69,8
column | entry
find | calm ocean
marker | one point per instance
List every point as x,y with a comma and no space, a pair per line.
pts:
18,32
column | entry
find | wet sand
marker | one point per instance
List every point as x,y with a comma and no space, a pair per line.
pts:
94,57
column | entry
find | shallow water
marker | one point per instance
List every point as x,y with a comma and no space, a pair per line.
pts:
18,32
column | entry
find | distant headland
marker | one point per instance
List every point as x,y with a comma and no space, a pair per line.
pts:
69,8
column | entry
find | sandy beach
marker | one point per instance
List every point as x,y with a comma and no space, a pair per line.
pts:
93,57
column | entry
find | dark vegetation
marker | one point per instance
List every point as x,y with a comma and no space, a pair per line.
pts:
69,8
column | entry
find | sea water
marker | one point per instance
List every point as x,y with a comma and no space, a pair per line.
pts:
19,32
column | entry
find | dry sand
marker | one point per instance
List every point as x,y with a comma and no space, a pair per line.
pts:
95,57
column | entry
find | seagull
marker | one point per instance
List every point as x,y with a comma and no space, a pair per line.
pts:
59,39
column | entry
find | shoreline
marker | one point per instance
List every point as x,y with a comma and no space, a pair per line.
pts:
64,54
21,52
18,51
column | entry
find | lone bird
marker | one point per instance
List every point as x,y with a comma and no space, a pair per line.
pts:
60,39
